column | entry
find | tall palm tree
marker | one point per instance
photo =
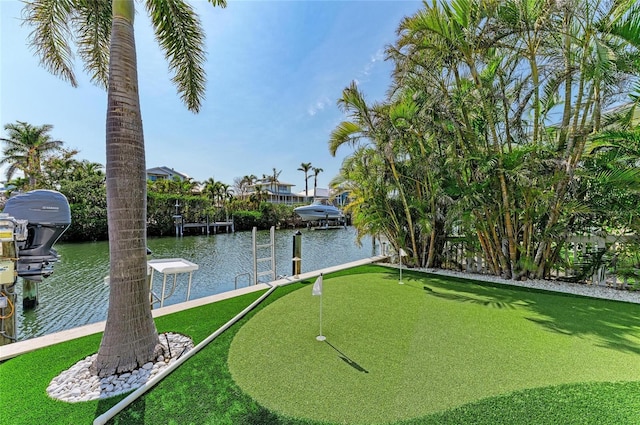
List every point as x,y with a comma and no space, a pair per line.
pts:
495,72
26,146
242,185
372,123
305,167
258,195
210,188
217,191
316,171
273,179
104,33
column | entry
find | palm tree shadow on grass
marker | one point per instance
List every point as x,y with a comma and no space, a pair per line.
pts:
483,301
613,323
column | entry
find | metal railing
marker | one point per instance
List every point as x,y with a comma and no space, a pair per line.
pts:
235,284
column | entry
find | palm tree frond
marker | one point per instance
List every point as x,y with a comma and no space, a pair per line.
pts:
628,26
628,178
352,100
221,3
343,133
49,37
180,34
93,25
403,112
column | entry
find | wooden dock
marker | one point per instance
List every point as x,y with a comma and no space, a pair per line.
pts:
207,227
331,227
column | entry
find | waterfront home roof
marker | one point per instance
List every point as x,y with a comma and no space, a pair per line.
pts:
163,172
271,187
267,182
318,193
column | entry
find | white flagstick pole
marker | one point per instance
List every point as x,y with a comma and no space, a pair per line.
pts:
401,254
321,337
400,258
318,290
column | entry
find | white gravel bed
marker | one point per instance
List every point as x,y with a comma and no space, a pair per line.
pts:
79,382
588,290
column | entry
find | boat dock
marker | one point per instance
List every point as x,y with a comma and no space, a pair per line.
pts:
205,227
327,227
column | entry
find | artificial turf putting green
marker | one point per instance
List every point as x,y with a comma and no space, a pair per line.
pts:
395,352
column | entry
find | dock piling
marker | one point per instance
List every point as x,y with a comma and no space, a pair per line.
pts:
8,297
29,293
296,262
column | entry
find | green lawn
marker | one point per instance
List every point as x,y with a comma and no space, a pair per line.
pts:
395,352
457,352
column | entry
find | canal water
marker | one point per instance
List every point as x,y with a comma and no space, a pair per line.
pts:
76,294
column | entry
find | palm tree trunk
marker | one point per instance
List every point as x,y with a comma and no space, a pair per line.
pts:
432,245
130,338
407,212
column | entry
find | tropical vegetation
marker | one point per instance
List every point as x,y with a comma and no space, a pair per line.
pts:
83,183
508,127
25,147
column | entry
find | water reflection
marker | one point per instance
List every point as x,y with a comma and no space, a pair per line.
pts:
76,295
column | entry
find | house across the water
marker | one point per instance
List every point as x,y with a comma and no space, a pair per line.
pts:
165,173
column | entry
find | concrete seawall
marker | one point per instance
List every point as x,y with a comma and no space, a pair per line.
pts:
20,347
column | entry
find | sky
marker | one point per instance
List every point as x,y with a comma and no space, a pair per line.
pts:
275,70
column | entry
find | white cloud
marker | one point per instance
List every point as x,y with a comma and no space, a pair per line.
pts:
378,56
318,106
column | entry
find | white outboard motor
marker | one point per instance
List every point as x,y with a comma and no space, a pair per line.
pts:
48,215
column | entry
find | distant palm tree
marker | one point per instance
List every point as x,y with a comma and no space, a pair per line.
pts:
103,33
305,167
25,148
189,186
226,192
243,185
84,169
273,178
316,171
217,191
210,189
258,195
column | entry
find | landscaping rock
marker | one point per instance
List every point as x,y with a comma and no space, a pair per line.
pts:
78,383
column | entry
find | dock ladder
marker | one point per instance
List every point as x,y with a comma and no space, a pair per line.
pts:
272,258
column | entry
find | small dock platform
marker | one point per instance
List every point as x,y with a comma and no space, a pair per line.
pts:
329,227
206,227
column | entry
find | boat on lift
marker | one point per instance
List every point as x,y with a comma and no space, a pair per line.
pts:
319,210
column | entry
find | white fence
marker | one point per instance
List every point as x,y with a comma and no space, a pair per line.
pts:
591,259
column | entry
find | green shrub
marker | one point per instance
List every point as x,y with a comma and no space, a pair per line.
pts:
246,220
